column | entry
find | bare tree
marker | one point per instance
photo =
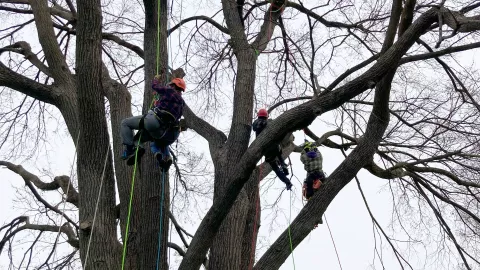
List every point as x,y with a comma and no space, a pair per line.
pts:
428,150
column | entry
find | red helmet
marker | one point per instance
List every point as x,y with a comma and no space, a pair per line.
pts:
262,113
180,83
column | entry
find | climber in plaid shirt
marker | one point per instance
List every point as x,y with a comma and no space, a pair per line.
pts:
312,161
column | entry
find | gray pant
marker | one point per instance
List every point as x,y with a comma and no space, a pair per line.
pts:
151,124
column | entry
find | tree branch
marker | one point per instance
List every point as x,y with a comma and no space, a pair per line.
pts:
238,39
199,18
280,103
136,49
24,48
30,178
438,53
322,20
270,19
182,253
108,36
327,142
459,22
214,137
24,85
407,16
179,229
62,182
48,40
65,229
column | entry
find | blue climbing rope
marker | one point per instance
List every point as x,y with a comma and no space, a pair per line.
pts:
161,220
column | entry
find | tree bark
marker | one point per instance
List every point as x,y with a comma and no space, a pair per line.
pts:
93,145
149,193
226,251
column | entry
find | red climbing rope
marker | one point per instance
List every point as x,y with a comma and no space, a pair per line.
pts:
257,204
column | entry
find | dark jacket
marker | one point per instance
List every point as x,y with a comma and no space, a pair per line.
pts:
258,126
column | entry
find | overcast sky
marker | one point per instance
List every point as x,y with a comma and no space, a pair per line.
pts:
350,224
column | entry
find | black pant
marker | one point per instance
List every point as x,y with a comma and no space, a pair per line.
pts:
311,176
278,171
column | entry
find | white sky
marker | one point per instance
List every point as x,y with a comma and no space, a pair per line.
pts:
347,216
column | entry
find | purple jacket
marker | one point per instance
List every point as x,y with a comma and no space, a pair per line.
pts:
168,99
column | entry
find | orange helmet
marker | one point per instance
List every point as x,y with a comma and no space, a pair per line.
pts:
180,83
262,113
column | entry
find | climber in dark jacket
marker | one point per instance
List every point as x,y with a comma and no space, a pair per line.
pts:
160,124
273,154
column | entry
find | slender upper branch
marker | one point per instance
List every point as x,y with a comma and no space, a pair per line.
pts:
136,49
270,19
438,53
197,18
322,20
48,40
66,229
234,24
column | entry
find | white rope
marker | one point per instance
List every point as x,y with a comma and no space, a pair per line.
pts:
64,198
96,206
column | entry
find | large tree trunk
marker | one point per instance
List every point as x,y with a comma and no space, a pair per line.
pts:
252,222
93,146
149,194
120,108
226,251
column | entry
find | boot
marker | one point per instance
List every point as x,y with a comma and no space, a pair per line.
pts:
127,151
159,157
167,162
163,163
282,165
309,193
289,186
138,152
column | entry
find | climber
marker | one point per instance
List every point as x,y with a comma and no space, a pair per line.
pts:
273,154
312,161
160,125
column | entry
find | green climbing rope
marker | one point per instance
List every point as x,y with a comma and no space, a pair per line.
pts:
158,34
130,205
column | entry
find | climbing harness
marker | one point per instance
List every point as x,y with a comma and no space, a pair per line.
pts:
96,206
316,185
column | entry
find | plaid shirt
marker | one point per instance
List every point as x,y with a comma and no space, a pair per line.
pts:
168,99
311,164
